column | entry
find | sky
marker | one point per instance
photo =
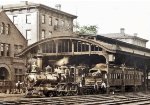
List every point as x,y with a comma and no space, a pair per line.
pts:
108,15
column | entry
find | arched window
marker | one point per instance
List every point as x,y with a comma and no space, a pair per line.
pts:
8,29
2,28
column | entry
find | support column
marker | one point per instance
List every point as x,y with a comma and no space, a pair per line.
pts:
56,48
77,46
134,77
39,62
105,54
145,81
40,49
0,50
68,46
123,78
108,75
89,49
72,48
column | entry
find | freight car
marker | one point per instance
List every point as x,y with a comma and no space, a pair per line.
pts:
73,80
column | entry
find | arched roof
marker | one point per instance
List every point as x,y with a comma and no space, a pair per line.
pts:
90,41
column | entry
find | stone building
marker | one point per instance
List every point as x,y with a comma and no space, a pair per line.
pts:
11,42
132,39
38,21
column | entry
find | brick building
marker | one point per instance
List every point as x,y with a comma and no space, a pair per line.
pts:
12,68
38,21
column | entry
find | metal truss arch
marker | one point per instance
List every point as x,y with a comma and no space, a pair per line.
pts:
66,45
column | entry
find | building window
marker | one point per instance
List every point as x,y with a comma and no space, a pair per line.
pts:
43,34
2,28
68,26
15,19
56,22
18,75
50,33
2,49
8,49
8,29
43,19
28,19
28,34
62,23
16,71
50,21
20,47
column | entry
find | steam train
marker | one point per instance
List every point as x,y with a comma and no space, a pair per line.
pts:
69,80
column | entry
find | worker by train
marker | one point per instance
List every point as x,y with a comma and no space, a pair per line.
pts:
103,87
80,88
96,87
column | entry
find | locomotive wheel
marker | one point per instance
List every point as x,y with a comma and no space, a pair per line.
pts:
75,92
59,94
67,93
64,93
50,94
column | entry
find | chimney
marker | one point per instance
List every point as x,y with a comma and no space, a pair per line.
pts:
135,34
2,7
24,2
58,6
122,30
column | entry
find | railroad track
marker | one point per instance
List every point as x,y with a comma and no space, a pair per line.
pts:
129,99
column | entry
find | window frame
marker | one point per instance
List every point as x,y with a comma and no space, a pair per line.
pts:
43,34
28,19
7,29
2,28
43,19
28,30
15,20
50,21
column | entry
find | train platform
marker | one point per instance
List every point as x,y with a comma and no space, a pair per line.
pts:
11,95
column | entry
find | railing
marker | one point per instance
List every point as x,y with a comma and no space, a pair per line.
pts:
5,85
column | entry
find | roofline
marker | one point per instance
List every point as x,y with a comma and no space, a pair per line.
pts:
37,5
115,41
126,36
64,37
14,26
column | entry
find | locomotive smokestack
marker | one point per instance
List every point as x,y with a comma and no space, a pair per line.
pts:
122,30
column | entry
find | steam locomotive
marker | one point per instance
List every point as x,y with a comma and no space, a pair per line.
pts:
73,80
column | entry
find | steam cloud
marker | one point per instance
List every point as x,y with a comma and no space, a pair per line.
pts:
63,61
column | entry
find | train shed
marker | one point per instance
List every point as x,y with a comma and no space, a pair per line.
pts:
88,50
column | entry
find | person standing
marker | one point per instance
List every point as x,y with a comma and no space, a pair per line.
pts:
18,86
96,87
80,88
103,87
